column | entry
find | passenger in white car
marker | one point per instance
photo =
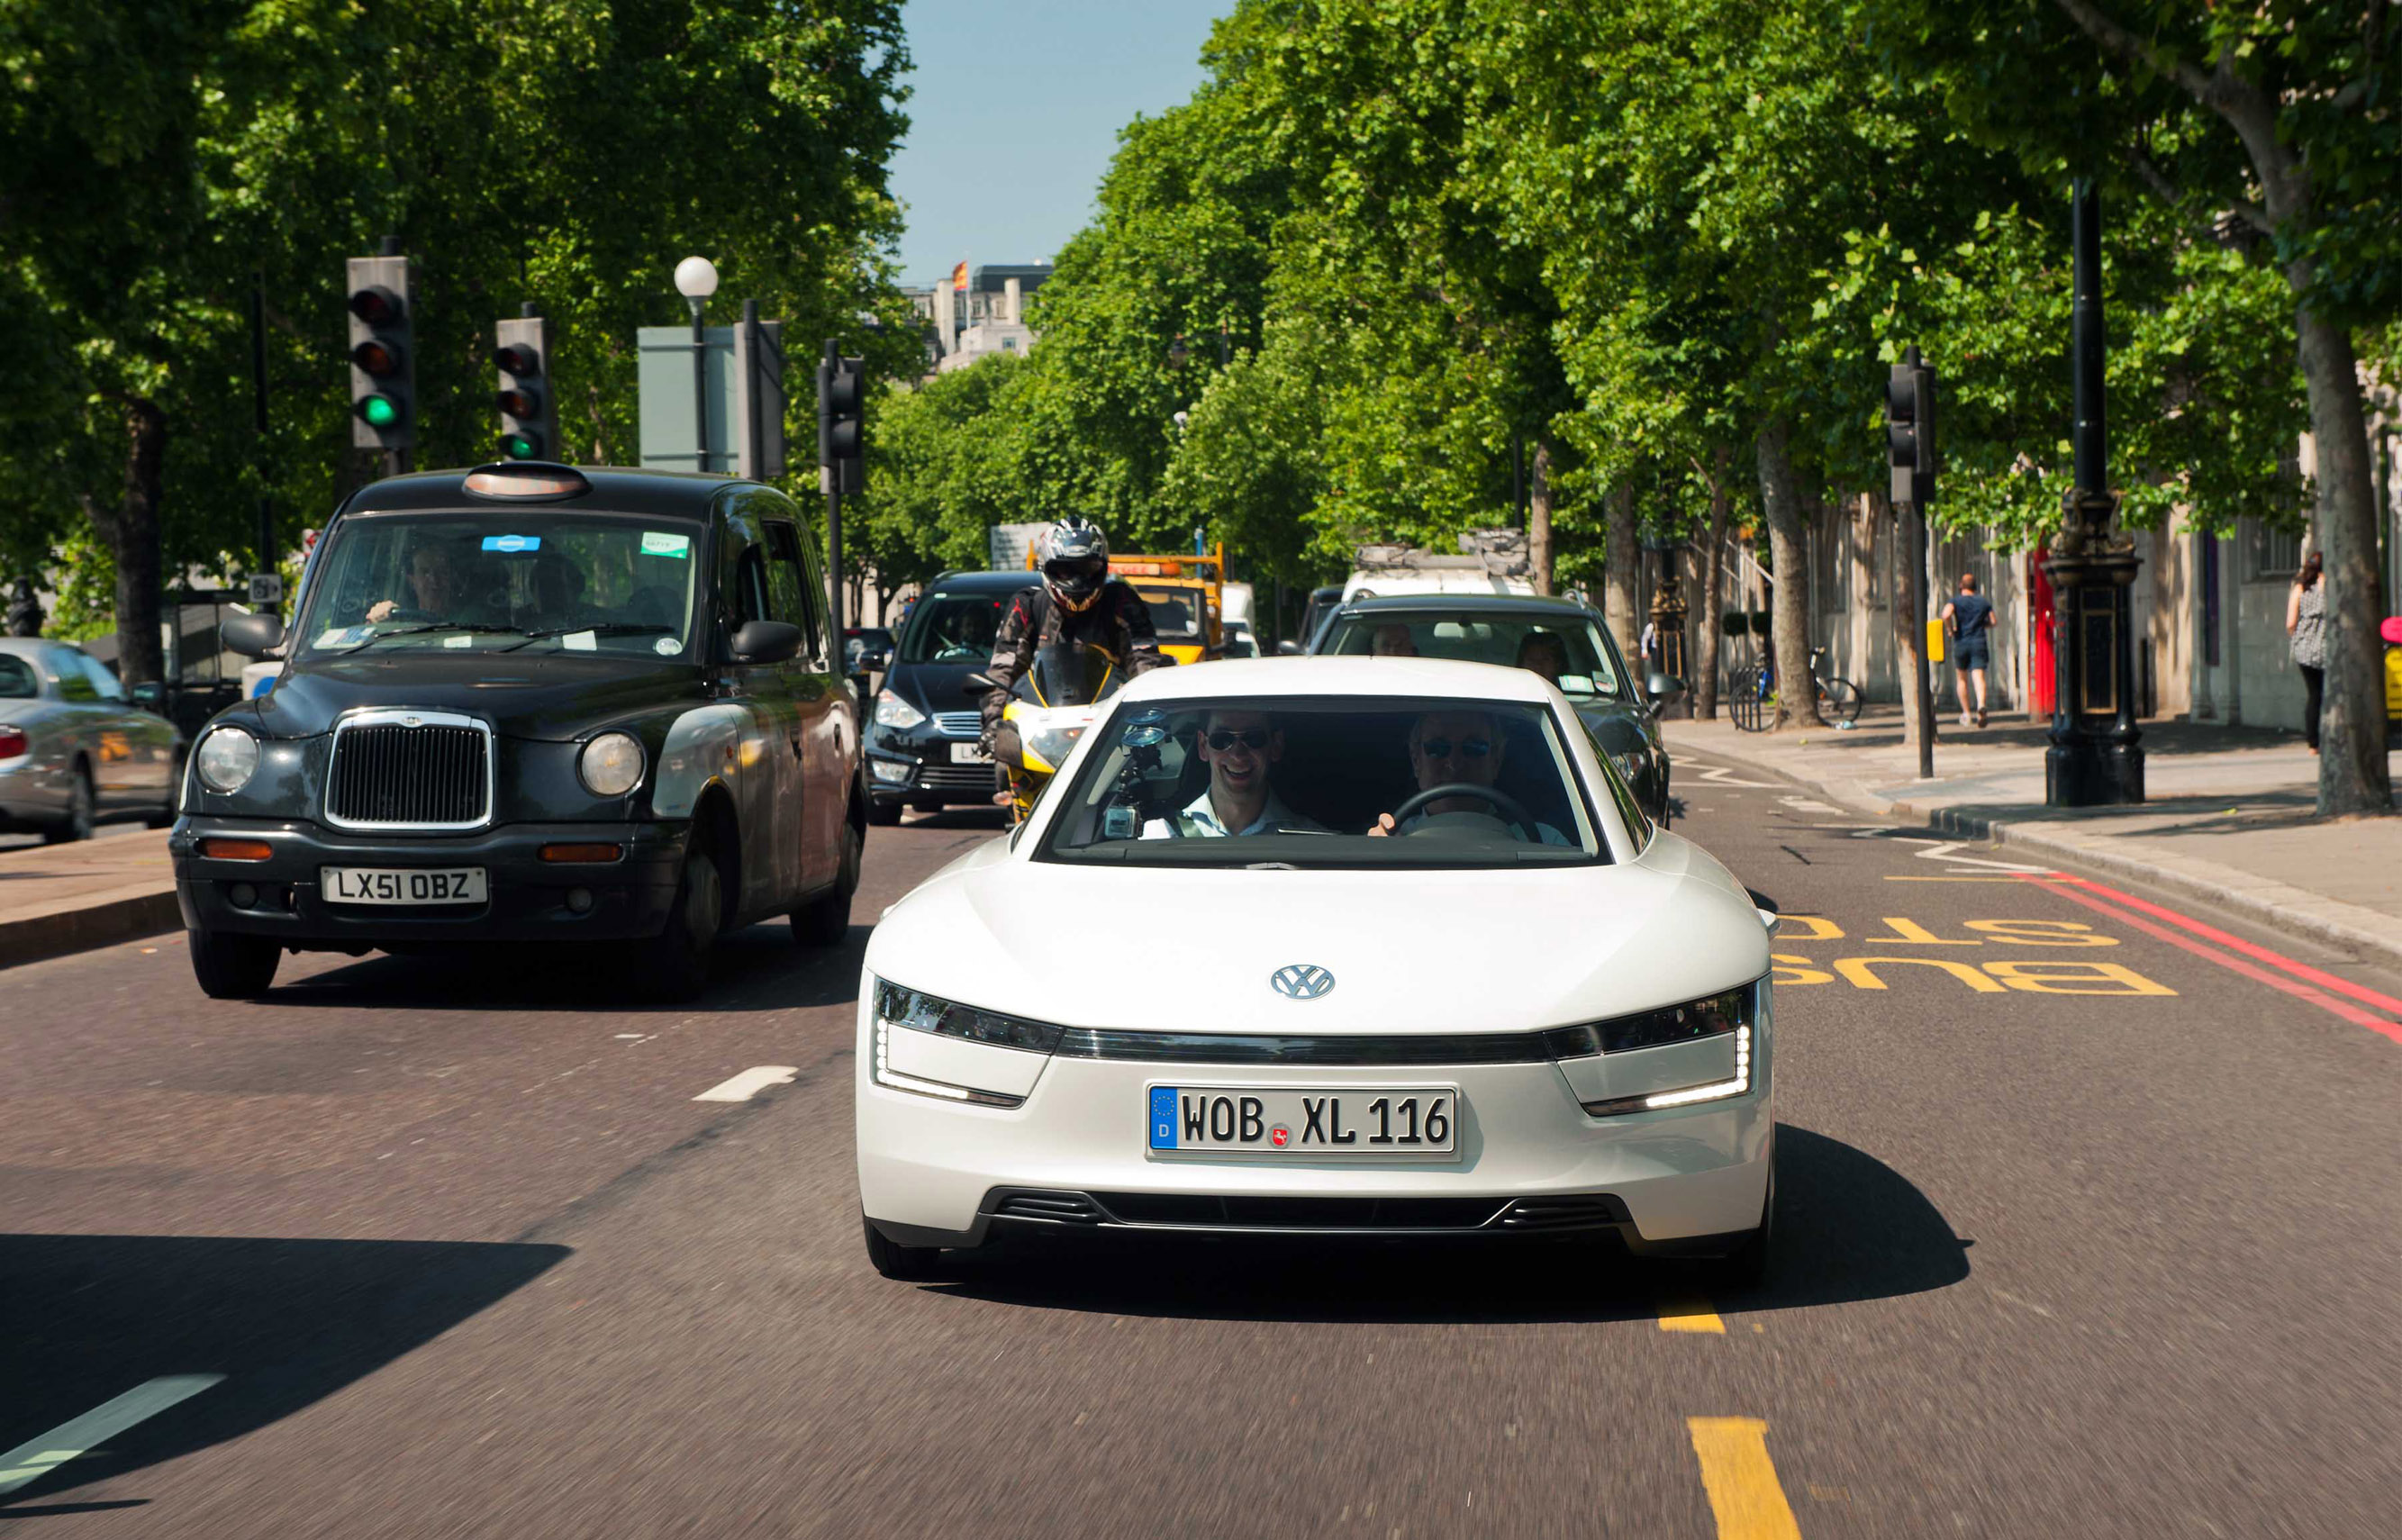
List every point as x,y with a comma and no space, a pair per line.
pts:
1239,747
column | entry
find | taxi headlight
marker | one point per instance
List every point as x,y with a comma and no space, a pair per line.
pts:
894,712
226,759
611,764
1630,764
900,1010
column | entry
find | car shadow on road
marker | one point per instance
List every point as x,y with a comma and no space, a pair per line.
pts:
285,1322
1848,1227
757,967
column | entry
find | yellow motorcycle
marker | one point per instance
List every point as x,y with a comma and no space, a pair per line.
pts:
1051,706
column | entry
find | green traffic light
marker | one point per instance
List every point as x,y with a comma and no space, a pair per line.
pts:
519,447
378,411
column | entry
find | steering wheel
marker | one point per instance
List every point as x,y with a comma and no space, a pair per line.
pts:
1511,809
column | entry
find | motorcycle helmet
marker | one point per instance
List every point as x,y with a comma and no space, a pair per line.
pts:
1075,561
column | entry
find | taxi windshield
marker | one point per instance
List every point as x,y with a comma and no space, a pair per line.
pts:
1327,781
1565,648
534,582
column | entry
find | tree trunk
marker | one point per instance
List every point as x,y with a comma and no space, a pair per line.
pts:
1539,518
24,609
1711,607
1625,563
2353,774
1797,702
131,529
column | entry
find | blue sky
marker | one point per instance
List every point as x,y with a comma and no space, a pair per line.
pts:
1016,112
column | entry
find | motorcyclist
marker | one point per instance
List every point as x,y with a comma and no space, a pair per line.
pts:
1077,601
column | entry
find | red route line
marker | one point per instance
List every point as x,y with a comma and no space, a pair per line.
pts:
2352,1013
2365,995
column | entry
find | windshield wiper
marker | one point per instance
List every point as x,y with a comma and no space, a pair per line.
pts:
611,629
424,626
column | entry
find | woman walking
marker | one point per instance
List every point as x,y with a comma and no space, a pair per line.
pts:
2306,624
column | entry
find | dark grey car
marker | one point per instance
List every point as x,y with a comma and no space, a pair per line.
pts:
73,752
1615,706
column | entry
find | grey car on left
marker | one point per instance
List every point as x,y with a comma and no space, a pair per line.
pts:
73,751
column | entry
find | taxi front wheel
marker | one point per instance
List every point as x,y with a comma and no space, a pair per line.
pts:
675,962
231,967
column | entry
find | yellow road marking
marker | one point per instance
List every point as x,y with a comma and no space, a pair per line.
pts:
1690,1315
1740,1478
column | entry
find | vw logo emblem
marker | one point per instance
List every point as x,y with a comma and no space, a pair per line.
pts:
1302,982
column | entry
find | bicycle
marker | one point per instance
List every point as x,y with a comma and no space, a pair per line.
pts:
1754,690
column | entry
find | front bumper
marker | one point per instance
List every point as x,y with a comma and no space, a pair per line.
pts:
916,768
1530,1159
527,898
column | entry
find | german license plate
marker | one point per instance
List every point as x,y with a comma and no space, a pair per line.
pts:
404,884
1281,1120
969,753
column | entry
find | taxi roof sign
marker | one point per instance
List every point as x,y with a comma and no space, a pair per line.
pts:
522,479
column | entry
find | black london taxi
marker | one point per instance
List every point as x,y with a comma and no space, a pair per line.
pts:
532,703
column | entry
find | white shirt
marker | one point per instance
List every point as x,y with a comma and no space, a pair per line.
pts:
1203,820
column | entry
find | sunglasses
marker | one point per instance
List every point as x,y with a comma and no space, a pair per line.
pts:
1252,738
1439,749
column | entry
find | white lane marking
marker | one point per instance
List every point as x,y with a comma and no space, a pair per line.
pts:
37,1458
749,1083
1723,775
1806,805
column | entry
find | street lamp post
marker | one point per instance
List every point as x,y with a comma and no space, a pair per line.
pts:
2096,757
695,279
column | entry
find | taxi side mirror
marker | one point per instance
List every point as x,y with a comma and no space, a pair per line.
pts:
1663,687
766,641
1288,648
252,636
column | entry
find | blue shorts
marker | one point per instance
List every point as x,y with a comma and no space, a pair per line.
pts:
1972,652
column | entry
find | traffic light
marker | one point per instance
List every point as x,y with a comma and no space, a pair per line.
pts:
528,406
1910,428
383,367
841,386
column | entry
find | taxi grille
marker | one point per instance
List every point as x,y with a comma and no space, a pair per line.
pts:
435,773
959,724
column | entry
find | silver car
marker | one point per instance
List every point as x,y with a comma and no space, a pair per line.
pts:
73,751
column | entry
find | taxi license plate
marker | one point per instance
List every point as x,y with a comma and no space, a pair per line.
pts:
407,885
969,753
1304,1122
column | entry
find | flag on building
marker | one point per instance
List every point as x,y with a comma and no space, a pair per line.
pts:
959,277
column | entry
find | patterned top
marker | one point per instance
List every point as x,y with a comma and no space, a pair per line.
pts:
2310,627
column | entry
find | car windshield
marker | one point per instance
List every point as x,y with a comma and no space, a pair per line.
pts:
536,581
1567,647
953,628
1172,611
1327,782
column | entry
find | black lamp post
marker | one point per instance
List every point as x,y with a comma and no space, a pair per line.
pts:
2096,757
695,279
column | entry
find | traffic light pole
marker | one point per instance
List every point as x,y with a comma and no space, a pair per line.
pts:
1910,636
259,411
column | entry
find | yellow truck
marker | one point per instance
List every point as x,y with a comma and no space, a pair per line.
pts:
1187,598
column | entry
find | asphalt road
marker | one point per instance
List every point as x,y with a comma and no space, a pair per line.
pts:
470,1258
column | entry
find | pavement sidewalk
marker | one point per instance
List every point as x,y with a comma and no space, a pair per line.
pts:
2229,815
56,898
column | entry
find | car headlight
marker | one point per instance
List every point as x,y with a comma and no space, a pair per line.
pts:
611,764
1051,745
1731,1016
900,1010
226,759
892,712
1630,764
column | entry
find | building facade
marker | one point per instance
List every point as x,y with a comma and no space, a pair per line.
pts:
989,316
